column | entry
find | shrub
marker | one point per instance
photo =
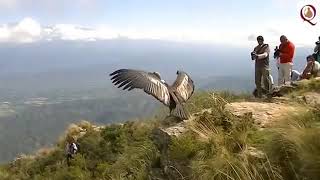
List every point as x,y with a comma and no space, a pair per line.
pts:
295,146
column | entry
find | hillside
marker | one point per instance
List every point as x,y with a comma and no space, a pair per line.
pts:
68,81
228,137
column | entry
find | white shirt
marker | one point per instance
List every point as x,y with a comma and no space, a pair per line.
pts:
295,75
263,55
74,146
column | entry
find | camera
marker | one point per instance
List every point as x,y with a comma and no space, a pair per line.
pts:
253,55
276,53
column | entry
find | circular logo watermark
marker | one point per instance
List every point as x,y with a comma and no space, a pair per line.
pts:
308,13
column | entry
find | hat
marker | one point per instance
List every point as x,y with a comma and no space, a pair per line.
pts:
260,38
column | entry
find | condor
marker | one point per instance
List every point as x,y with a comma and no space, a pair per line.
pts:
173,96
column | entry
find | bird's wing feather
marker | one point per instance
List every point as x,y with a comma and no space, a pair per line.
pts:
151,84
183,86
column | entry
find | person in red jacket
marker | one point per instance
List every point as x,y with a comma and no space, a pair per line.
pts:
286,50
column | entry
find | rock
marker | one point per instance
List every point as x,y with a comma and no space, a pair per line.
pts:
82,130
97,128
176,130
312,98
263,113
279,91
162,137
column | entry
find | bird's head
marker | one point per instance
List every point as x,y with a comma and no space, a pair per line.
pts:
157,74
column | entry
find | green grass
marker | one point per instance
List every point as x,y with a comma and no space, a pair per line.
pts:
295,146
208,99
216,146
305,86
224,154
117,152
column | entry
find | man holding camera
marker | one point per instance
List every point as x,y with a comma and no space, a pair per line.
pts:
285,53
260,55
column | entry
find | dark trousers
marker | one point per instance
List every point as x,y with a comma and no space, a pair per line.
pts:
262,74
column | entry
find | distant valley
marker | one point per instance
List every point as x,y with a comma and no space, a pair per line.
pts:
45,86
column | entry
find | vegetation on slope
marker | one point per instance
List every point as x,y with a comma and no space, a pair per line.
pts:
32,127
217,145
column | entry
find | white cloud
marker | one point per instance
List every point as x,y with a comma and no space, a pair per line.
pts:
28,30
4,32
76,32
72,32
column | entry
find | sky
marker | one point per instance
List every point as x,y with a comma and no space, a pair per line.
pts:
231,22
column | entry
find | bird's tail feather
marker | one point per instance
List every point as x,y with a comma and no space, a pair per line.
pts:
181,112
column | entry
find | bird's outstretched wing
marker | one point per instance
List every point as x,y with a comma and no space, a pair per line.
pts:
151,84
183,86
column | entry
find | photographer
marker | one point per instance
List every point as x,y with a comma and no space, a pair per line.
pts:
285,54
260,55
316,54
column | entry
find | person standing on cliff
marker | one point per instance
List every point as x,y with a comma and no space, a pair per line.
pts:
260,55
286,53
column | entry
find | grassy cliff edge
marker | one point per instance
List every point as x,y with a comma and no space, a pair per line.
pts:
215,144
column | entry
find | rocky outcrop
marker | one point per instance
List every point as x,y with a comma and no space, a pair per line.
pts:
263,113
78,130
311,98
162,137
280,91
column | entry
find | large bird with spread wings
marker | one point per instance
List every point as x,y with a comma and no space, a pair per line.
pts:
173,96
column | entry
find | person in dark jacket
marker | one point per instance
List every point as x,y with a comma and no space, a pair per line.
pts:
260,55
317,51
